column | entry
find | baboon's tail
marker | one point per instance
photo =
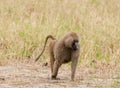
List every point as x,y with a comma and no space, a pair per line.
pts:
49,36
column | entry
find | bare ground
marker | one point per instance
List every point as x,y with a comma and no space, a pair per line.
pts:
24,74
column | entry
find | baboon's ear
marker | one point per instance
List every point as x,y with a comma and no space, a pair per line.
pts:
68,42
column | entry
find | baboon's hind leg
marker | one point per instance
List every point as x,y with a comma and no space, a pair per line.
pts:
55,70
52,59
52,62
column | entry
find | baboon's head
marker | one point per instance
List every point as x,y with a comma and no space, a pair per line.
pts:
72,41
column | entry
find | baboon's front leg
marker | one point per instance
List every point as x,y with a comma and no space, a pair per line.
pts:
74,65
73,69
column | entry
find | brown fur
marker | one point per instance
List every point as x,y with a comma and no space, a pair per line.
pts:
63,51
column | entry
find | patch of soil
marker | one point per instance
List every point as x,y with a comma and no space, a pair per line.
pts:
24,74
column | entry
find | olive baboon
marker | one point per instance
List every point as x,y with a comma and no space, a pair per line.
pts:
63,51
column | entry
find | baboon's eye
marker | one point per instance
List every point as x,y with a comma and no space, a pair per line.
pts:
76,41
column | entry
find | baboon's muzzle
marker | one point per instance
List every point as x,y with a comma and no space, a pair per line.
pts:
75,45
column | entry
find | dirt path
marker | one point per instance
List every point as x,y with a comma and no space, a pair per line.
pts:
31,75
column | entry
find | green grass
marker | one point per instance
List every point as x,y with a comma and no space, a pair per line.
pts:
25,24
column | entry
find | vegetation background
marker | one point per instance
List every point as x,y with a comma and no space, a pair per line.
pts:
25,24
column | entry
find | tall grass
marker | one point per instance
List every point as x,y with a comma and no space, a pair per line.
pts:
24,24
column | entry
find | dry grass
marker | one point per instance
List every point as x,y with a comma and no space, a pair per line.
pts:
24,25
